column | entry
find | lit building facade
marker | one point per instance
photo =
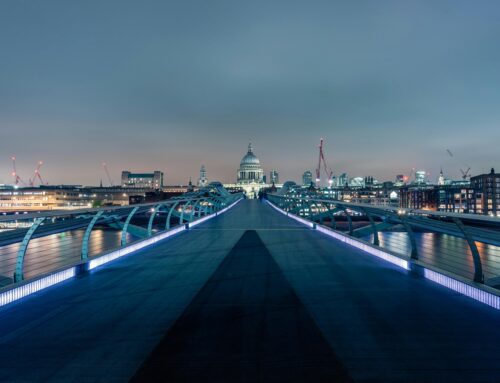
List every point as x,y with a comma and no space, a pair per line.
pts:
486,193
274,177
307,178
456,197
62,198
203,180
250,175
142,180
342,180
419,197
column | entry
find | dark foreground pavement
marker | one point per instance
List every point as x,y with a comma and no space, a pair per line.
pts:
249,296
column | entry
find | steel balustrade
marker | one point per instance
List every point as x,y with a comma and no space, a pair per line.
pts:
172,209
88,232
454,224
478,268
19,275
125,226
204,202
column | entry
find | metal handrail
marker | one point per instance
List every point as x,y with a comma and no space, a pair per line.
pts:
64,213
401,211
455,224
57,222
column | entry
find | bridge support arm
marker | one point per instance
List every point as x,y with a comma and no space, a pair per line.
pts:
478,268
18,273
86,237
331,213
125,226
152,218
411,236
172,209
349,219
193,211
376,241
181,219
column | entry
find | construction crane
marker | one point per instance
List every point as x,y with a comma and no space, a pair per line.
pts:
407,179
466,172
322,161
17,179
105,166
37,175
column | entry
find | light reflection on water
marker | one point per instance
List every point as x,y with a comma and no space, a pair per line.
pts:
444,251
56,250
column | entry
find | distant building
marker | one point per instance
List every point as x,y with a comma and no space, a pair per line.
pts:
369,181
307,178
64,197
420,177
486,193
419,197
142,180
250,170
357,182
400,180
250,176
456,197
190,187
342,180
203,181
441,179
274,177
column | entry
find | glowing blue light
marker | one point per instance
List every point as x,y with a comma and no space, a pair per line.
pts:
210,216
366,248
29,288
464,288
14,293
96,262
349,240
134,247
290,215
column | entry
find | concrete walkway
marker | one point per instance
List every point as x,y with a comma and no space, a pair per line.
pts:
249,296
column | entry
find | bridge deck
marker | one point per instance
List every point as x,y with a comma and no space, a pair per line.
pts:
249,296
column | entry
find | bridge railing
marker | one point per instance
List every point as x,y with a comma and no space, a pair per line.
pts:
464,244
38,243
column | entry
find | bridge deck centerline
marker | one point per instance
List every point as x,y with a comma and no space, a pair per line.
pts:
373,315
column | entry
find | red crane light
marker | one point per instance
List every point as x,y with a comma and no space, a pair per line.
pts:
327,170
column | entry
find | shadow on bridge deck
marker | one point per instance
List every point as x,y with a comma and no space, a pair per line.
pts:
249,296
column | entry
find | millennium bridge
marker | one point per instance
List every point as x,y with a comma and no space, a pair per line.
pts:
212,287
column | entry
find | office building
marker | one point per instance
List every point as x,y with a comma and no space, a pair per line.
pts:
307,178
486,193
142,180
274,177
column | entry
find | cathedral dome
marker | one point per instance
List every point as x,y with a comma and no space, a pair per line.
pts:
250,170
249,158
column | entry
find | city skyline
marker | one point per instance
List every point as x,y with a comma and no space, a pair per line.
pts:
170,86
27,174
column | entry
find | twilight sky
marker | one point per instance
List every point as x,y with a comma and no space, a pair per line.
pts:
169,85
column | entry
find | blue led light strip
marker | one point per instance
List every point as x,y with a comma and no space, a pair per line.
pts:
366,248
15,293
134,247
29,288
466,289
292,216
96,262
463,288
